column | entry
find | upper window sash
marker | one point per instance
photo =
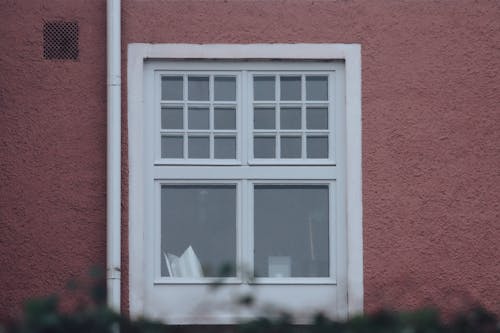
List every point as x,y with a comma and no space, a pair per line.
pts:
290,126
196,121
303,131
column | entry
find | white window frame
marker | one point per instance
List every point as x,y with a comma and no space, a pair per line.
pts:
349,53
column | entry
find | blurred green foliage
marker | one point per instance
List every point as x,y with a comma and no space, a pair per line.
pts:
44,315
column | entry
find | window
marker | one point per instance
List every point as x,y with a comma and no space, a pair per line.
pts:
239,169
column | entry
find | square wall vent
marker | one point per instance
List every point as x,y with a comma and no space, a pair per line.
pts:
60,40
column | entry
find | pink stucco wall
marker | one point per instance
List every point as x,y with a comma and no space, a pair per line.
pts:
52,151
431,136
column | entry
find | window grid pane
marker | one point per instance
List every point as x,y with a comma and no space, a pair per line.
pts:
291,147
317,88
264,146
172,146
300,108
225,88
291,230
171,88
172,117
198,230
225,147
264,88
198,88
290,88
198,146
205,104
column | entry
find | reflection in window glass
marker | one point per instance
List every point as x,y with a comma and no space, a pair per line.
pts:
172,147
291,147
264,118
171,117
198,88
317,88
225,118
198,147
203,218
198,118
291,230
290,118
264,147
263,88
317,147
317,117
290,88
225,88
225,147
171,88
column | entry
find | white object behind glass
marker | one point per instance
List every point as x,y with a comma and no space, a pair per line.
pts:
279,266
187,265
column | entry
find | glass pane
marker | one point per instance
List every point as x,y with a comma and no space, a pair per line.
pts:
225,118
171,88
264,118
198,88
225,147
264,147
290,118
198,147
225,88
291,230
290,88
198,230
198,118
172,147
317,88
317,147
171,117
291,147
317,118
263,88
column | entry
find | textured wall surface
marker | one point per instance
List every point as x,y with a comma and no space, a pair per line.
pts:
52,151
431,136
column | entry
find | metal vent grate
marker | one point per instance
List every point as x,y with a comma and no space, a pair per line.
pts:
60,40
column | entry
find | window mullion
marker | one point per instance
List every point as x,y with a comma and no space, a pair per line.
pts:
277,122
303,119
333,115
211,140
246,265
158,115
185,115
245,121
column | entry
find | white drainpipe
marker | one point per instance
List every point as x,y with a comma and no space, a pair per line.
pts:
113,204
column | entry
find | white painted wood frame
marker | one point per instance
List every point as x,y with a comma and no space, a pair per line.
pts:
139,53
